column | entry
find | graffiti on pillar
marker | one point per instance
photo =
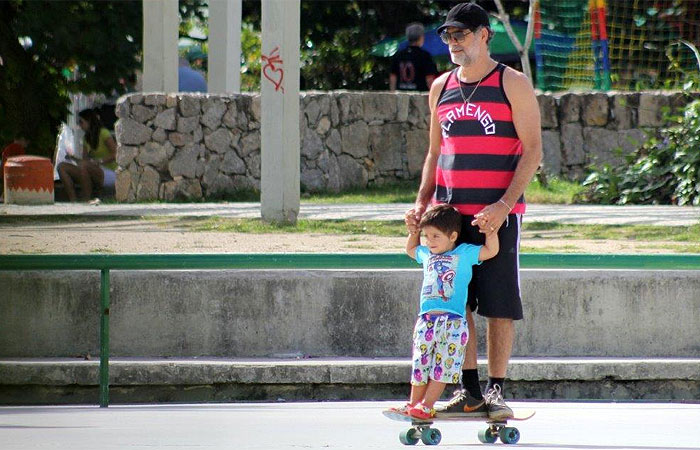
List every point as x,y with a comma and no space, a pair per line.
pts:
272,70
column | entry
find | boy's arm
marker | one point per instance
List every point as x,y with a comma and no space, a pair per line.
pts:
412,243
490,247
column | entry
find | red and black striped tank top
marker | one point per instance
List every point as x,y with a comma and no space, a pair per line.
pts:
480,148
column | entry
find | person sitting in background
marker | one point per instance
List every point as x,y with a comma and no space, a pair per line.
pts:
98,162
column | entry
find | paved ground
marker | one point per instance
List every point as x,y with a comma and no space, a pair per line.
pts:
349,425
580,214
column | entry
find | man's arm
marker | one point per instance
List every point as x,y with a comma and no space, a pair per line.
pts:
526,119
427,184
392,82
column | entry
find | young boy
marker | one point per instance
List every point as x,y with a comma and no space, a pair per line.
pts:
441,333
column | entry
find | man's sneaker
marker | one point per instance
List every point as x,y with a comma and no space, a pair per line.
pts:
463,404
498,410
421,412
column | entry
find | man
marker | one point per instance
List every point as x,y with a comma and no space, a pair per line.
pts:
485,147
412,69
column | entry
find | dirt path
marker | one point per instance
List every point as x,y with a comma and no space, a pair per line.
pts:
143,236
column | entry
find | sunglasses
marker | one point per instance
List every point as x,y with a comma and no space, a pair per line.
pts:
457,36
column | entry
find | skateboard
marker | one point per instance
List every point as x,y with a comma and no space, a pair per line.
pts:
421,429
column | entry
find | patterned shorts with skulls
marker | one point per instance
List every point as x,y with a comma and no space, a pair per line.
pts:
439,342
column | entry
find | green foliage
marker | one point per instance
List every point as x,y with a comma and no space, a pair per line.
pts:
665,171
95,43
250,66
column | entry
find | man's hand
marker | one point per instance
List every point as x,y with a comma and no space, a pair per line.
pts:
491,218
413,216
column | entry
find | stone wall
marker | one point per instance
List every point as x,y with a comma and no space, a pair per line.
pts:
580,129
194,146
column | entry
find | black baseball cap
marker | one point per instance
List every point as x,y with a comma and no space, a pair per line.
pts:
466,15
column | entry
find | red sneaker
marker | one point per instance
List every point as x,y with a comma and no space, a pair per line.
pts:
402,409
421,412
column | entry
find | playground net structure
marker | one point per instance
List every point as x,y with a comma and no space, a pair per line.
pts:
619,44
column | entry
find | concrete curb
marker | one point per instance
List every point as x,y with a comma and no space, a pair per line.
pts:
185,371
134,380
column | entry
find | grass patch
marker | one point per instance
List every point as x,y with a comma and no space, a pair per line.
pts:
257,226
562,249
676,248
557,191
402,192
616,232
542,230
537,230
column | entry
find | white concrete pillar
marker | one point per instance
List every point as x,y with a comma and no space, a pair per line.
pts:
225,46
279,89
160,33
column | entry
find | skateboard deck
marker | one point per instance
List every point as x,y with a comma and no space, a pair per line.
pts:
519,415
421,428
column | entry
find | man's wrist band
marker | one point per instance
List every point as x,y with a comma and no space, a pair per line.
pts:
510,208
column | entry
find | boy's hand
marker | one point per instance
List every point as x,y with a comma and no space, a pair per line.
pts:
411,220
481,222
491,217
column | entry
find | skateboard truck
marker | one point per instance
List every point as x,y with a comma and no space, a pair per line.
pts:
508,435
429,436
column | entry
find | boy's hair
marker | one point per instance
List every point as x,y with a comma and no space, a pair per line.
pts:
444,217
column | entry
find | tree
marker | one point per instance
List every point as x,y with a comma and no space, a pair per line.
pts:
522,47
336,37
43,42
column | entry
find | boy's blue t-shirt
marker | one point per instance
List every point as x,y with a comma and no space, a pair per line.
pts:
446,277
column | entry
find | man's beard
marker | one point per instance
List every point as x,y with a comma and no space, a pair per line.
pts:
461,59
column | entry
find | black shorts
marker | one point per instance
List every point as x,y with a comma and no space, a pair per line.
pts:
494,290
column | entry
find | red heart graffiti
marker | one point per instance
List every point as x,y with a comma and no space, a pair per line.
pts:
275,75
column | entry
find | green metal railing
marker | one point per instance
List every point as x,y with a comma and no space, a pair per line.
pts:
105,263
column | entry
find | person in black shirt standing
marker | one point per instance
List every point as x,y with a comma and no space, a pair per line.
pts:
413,68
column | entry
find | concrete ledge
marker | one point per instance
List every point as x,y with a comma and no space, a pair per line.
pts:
29,381
183,371
334,313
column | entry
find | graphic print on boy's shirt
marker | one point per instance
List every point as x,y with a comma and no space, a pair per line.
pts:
440,276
